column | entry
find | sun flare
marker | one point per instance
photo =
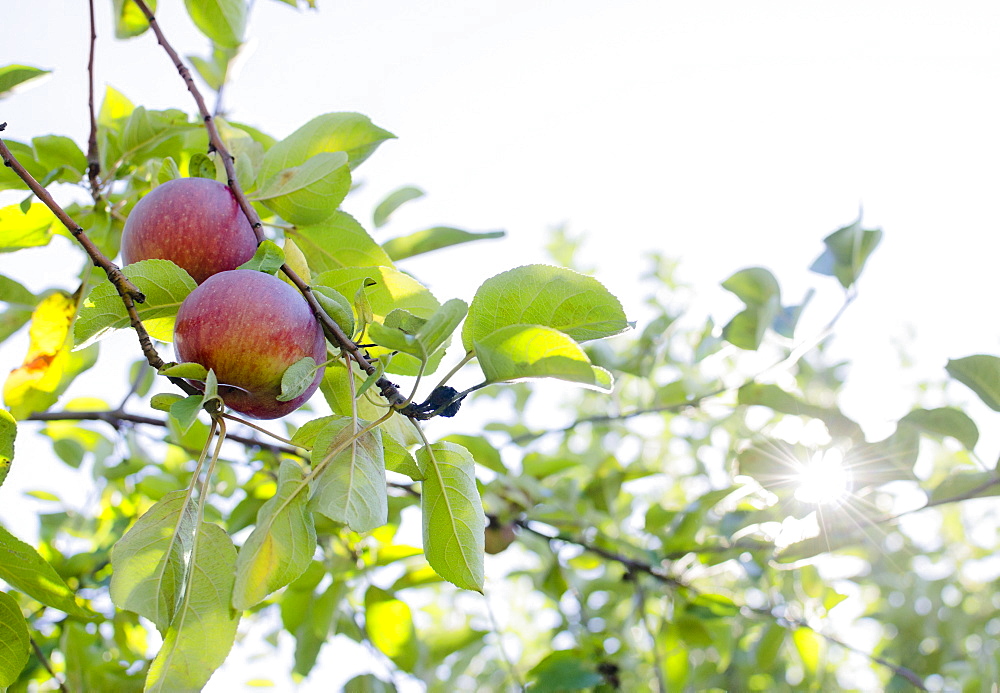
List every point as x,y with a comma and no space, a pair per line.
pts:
823,479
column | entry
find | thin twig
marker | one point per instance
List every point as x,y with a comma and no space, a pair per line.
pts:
46,664
115,419
93,160
388,389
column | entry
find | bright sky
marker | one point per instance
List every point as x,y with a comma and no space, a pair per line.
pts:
727,134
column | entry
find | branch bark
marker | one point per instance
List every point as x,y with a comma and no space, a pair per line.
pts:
387,389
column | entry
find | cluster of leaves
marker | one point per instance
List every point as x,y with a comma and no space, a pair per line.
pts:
660,536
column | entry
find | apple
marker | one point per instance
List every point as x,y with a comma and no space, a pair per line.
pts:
194,222
249,327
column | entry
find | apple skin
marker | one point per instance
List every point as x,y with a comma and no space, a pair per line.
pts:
249,327
194,222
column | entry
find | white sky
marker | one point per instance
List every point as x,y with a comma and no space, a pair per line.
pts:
727,133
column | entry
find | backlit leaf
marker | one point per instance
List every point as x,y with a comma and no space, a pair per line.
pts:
759,290
25,230
26,571
389,625
306,193
165,285
148,562
543,295
13,75
981,373
49,366
351,133
847,251
14,640
268,258
454,525
8,432
222,21
945,421
517,352
564,670
428,240
394,201
336,242
203,630
966,484
297,378
129,19
351,488
281,545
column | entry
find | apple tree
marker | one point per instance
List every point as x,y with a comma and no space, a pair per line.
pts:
690,509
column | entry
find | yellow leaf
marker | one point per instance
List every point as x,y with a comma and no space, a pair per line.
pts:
49,364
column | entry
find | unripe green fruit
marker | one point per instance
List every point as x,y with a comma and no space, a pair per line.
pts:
195,223
249,327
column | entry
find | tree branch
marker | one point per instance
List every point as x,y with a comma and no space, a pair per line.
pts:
117,418
388,389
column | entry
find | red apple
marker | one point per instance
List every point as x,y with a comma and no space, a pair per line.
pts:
249,327
194,222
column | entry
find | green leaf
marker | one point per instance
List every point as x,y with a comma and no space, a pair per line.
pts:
351,487
203,629
336,306
26,156
165,285
774,397
8,432
162,401
215,69
148,562
351,133
194,371
482,450
398,459
14,75
25,230
389,624
129,19
966,484
14,640
759,290
712,606
517,352
201,166
394,201
553,297
564,670
945,421
60,152
426,339
847,251
436,238
297,378
336,242
391,290
268,258
222,21
15,295
185,411
26,571
281,545
307,193
891,459
454,525
981,373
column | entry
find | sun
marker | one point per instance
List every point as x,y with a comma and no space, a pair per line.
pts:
824,479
